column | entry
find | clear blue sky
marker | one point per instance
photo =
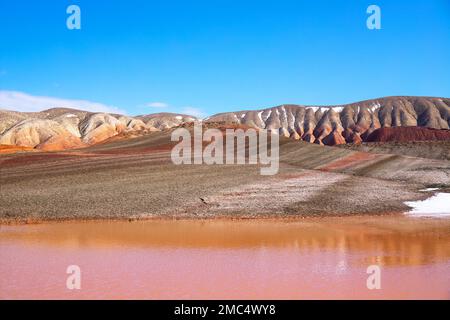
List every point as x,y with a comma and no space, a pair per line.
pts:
224,55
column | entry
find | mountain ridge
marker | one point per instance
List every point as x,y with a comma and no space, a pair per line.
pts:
66,128
350,123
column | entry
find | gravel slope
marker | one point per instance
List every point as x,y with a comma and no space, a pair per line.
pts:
135,178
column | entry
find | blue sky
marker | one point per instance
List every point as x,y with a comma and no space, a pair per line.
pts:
215,56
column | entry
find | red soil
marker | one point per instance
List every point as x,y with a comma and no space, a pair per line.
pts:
349,161
406,134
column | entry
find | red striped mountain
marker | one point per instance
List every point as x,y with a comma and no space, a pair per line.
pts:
350,123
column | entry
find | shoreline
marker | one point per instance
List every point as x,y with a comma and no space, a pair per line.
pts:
277,218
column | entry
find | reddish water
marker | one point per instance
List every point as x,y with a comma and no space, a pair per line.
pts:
322,258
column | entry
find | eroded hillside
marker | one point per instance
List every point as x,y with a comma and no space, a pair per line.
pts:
351,123
63,128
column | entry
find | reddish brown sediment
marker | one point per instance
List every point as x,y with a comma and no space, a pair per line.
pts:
439,150
408,134
351,160
5,149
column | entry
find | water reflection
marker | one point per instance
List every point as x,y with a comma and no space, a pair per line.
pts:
265,259
393,240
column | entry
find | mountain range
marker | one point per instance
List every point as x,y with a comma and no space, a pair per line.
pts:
403,118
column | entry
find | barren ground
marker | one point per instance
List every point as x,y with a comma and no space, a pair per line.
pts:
135,179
